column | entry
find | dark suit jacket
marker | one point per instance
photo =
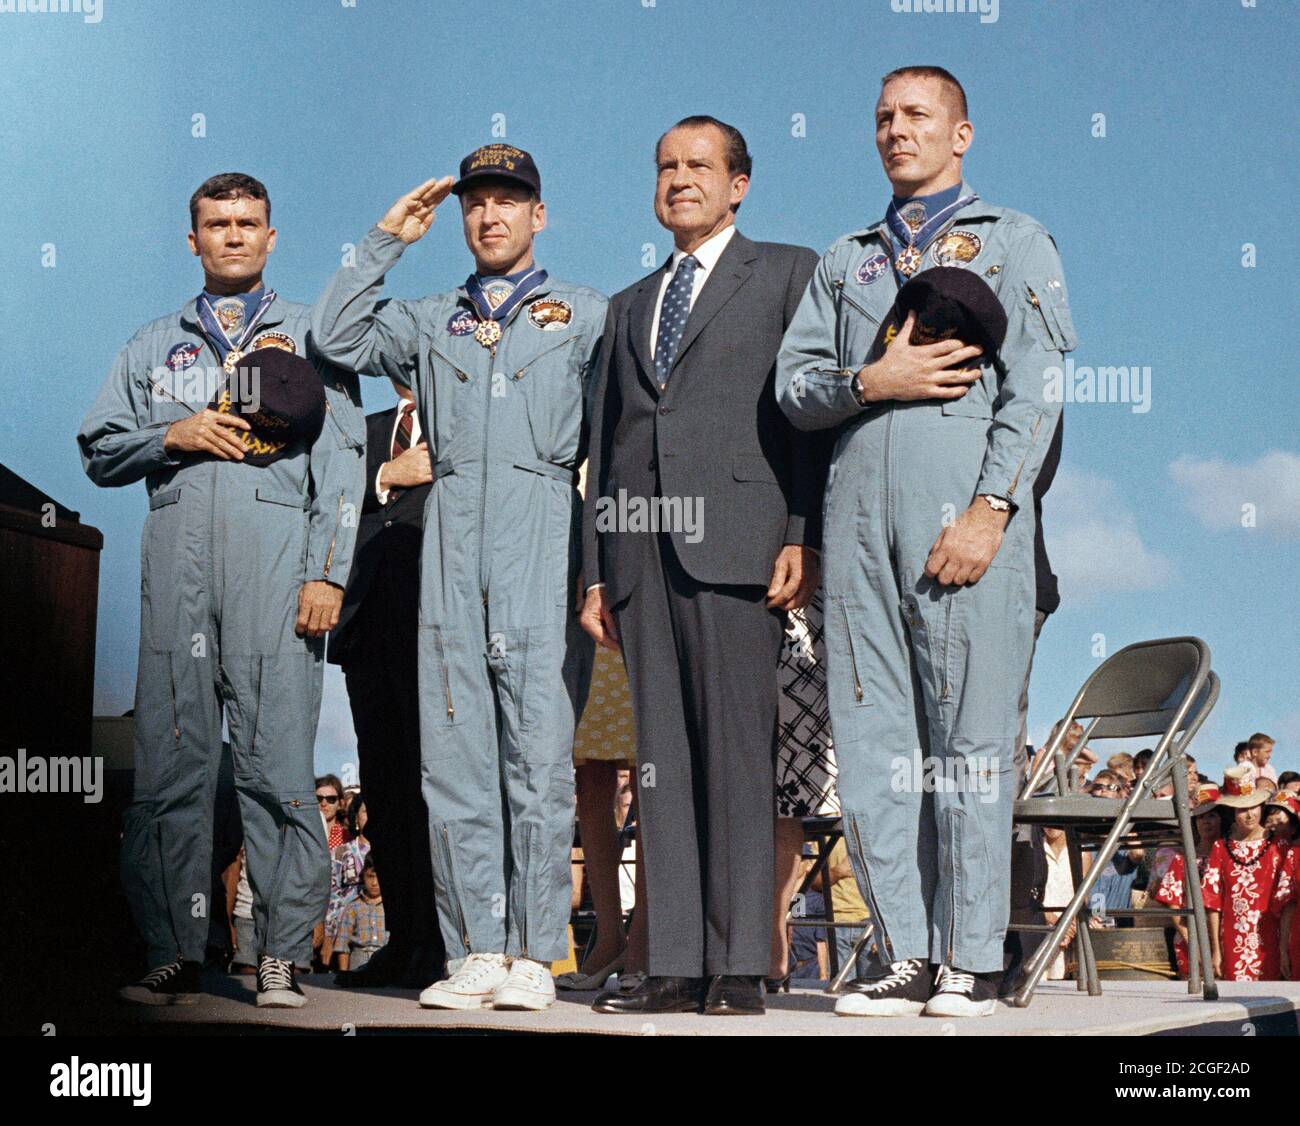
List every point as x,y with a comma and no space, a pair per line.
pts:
388,536
716,432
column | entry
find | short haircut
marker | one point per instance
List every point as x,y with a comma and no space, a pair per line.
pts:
1145,757
330,780
1286,777
1107,775
953,91
1259,739
228,185
739,162
1119,759
1240,750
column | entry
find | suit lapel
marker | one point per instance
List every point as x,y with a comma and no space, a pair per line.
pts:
732,271
640,318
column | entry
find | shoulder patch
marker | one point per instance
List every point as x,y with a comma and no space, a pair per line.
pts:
550,314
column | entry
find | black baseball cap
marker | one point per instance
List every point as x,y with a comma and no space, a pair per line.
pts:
498,162
286,404
949,303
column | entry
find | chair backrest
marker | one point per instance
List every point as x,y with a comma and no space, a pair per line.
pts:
1139,690
1158,687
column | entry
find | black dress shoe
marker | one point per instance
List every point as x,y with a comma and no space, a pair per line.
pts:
424,968
385,967
732,995
654,995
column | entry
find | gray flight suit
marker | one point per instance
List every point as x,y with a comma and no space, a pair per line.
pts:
225,550
503,662
924,680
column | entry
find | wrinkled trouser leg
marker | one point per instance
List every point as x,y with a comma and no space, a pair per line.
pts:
273,704
461,778
535,685
701,664
972,657
166,852
496,733
382,684
924,683
878,721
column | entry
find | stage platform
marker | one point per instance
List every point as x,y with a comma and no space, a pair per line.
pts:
1127,1008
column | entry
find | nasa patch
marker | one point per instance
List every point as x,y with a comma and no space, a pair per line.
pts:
550,314
872,269
183,356
956,248
462,323
281,340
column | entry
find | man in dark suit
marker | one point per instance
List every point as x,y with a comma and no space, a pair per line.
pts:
701,528
376,643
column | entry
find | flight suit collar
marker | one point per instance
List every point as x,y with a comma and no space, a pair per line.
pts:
190,313
976,210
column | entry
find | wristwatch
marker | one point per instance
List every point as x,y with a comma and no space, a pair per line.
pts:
998,504
855,386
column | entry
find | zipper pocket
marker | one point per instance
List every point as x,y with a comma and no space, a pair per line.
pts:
446,688
461,374
329,555
1033,440
876,918
1053,334
853,656
554,347
176,719
839,284
453,893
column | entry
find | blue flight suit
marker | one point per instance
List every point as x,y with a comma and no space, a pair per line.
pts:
225,550
503,661
922,675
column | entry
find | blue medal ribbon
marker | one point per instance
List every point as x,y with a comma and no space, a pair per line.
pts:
217,335
477,298
918,243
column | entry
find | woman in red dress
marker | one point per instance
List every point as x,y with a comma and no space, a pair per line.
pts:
1207,824
1238,886
1282,818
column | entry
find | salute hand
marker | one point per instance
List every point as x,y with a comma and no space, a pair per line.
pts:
412,215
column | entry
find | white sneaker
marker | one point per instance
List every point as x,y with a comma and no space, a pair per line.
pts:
471,986
529,986
900,993
961,994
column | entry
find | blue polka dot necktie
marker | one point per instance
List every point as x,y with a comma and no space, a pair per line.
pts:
672,317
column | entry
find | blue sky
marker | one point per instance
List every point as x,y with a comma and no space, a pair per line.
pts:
339,109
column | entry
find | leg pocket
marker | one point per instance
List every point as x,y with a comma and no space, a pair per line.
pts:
848,679
444,677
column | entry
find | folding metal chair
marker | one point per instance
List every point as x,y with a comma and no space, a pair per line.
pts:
1161,688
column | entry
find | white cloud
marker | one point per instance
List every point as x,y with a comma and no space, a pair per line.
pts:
1094,542
1217,492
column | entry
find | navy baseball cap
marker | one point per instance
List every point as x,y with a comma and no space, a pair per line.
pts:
499,162
949,303
286,407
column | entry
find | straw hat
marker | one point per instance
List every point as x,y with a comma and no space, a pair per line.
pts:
1239,789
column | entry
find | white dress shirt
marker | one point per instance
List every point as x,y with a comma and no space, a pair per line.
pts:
382,494
707,255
